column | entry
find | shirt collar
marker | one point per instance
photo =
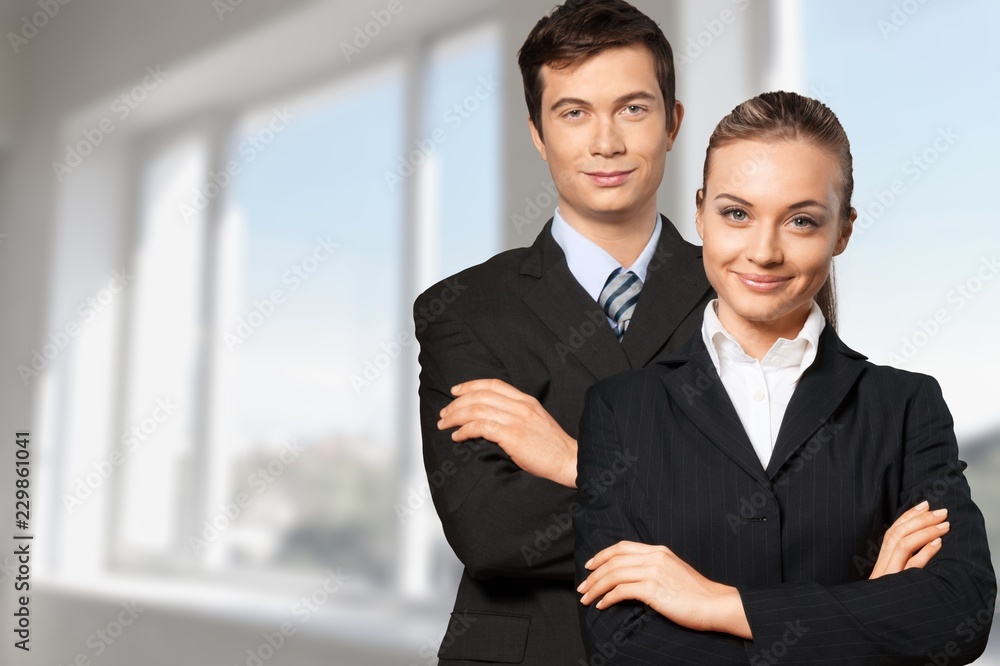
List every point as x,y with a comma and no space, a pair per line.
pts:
589,263
800,352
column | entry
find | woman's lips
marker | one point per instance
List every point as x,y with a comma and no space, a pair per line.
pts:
610,178
762,283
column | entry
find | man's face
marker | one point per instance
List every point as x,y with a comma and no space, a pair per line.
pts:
606,134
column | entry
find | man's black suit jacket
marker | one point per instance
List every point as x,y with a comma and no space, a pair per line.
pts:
858,445
523,318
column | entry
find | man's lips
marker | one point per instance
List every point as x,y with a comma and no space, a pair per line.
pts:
609,178
762,283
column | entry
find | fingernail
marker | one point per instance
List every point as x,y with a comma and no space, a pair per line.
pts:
941,512
945,525
936,542
589,562
579,588
456,388
923,505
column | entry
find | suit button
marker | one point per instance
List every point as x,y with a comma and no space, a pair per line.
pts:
758,396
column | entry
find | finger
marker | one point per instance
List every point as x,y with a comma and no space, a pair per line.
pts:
489,399
925,554
905,548
607,568
618,576
467,414
495,385
620,548
918,540
620,593
479,429
913,520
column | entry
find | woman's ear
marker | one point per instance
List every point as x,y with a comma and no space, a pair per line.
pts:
699,200
845,233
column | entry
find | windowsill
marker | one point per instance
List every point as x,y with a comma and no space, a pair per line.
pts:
345,617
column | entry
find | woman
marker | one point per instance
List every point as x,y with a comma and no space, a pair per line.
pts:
771,457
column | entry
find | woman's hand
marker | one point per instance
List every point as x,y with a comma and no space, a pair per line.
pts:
912,540
655,576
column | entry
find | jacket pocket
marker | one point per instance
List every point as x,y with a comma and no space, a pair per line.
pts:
476,635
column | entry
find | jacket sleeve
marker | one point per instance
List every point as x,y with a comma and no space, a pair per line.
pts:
628,632
499,519
939,614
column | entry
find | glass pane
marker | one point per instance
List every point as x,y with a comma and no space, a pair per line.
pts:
310,275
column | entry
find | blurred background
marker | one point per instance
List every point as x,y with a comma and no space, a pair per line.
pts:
215,216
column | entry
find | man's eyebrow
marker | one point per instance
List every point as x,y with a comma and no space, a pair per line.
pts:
629,97
798,204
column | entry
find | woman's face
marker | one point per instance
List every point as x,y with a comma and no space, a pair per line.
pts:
770,222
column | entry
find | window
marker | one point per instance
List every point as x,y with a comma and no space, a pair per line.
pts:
277,257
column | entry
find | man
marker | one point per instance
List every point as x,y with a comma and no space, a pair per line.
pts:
607,286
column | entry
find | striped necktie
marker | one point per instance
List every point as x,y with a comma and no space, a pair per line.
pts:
618,298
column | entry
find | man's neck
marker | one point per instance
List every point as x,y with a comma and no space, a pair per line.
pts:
623,237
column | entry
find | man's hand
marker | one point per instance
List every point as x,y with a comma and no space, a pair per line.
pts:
517,422
912,540
657,577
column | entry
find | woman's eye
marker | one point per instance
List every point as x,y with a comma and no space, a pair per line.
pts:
735,214
803,223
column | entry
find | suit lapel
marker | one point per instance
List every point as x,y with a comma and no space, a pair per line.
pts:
696,388
675,283
820,391
565,307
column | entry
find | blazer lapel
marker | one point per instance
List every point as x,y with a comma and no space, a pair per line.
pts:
820,391
579,325
696,388
675,283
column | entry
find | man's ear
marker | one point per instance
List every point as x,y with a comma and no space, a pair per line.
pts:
699,201
537,140
845,234
675,124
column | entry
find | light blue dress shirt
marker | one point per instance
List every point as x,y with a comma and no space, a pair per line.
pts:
590,264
